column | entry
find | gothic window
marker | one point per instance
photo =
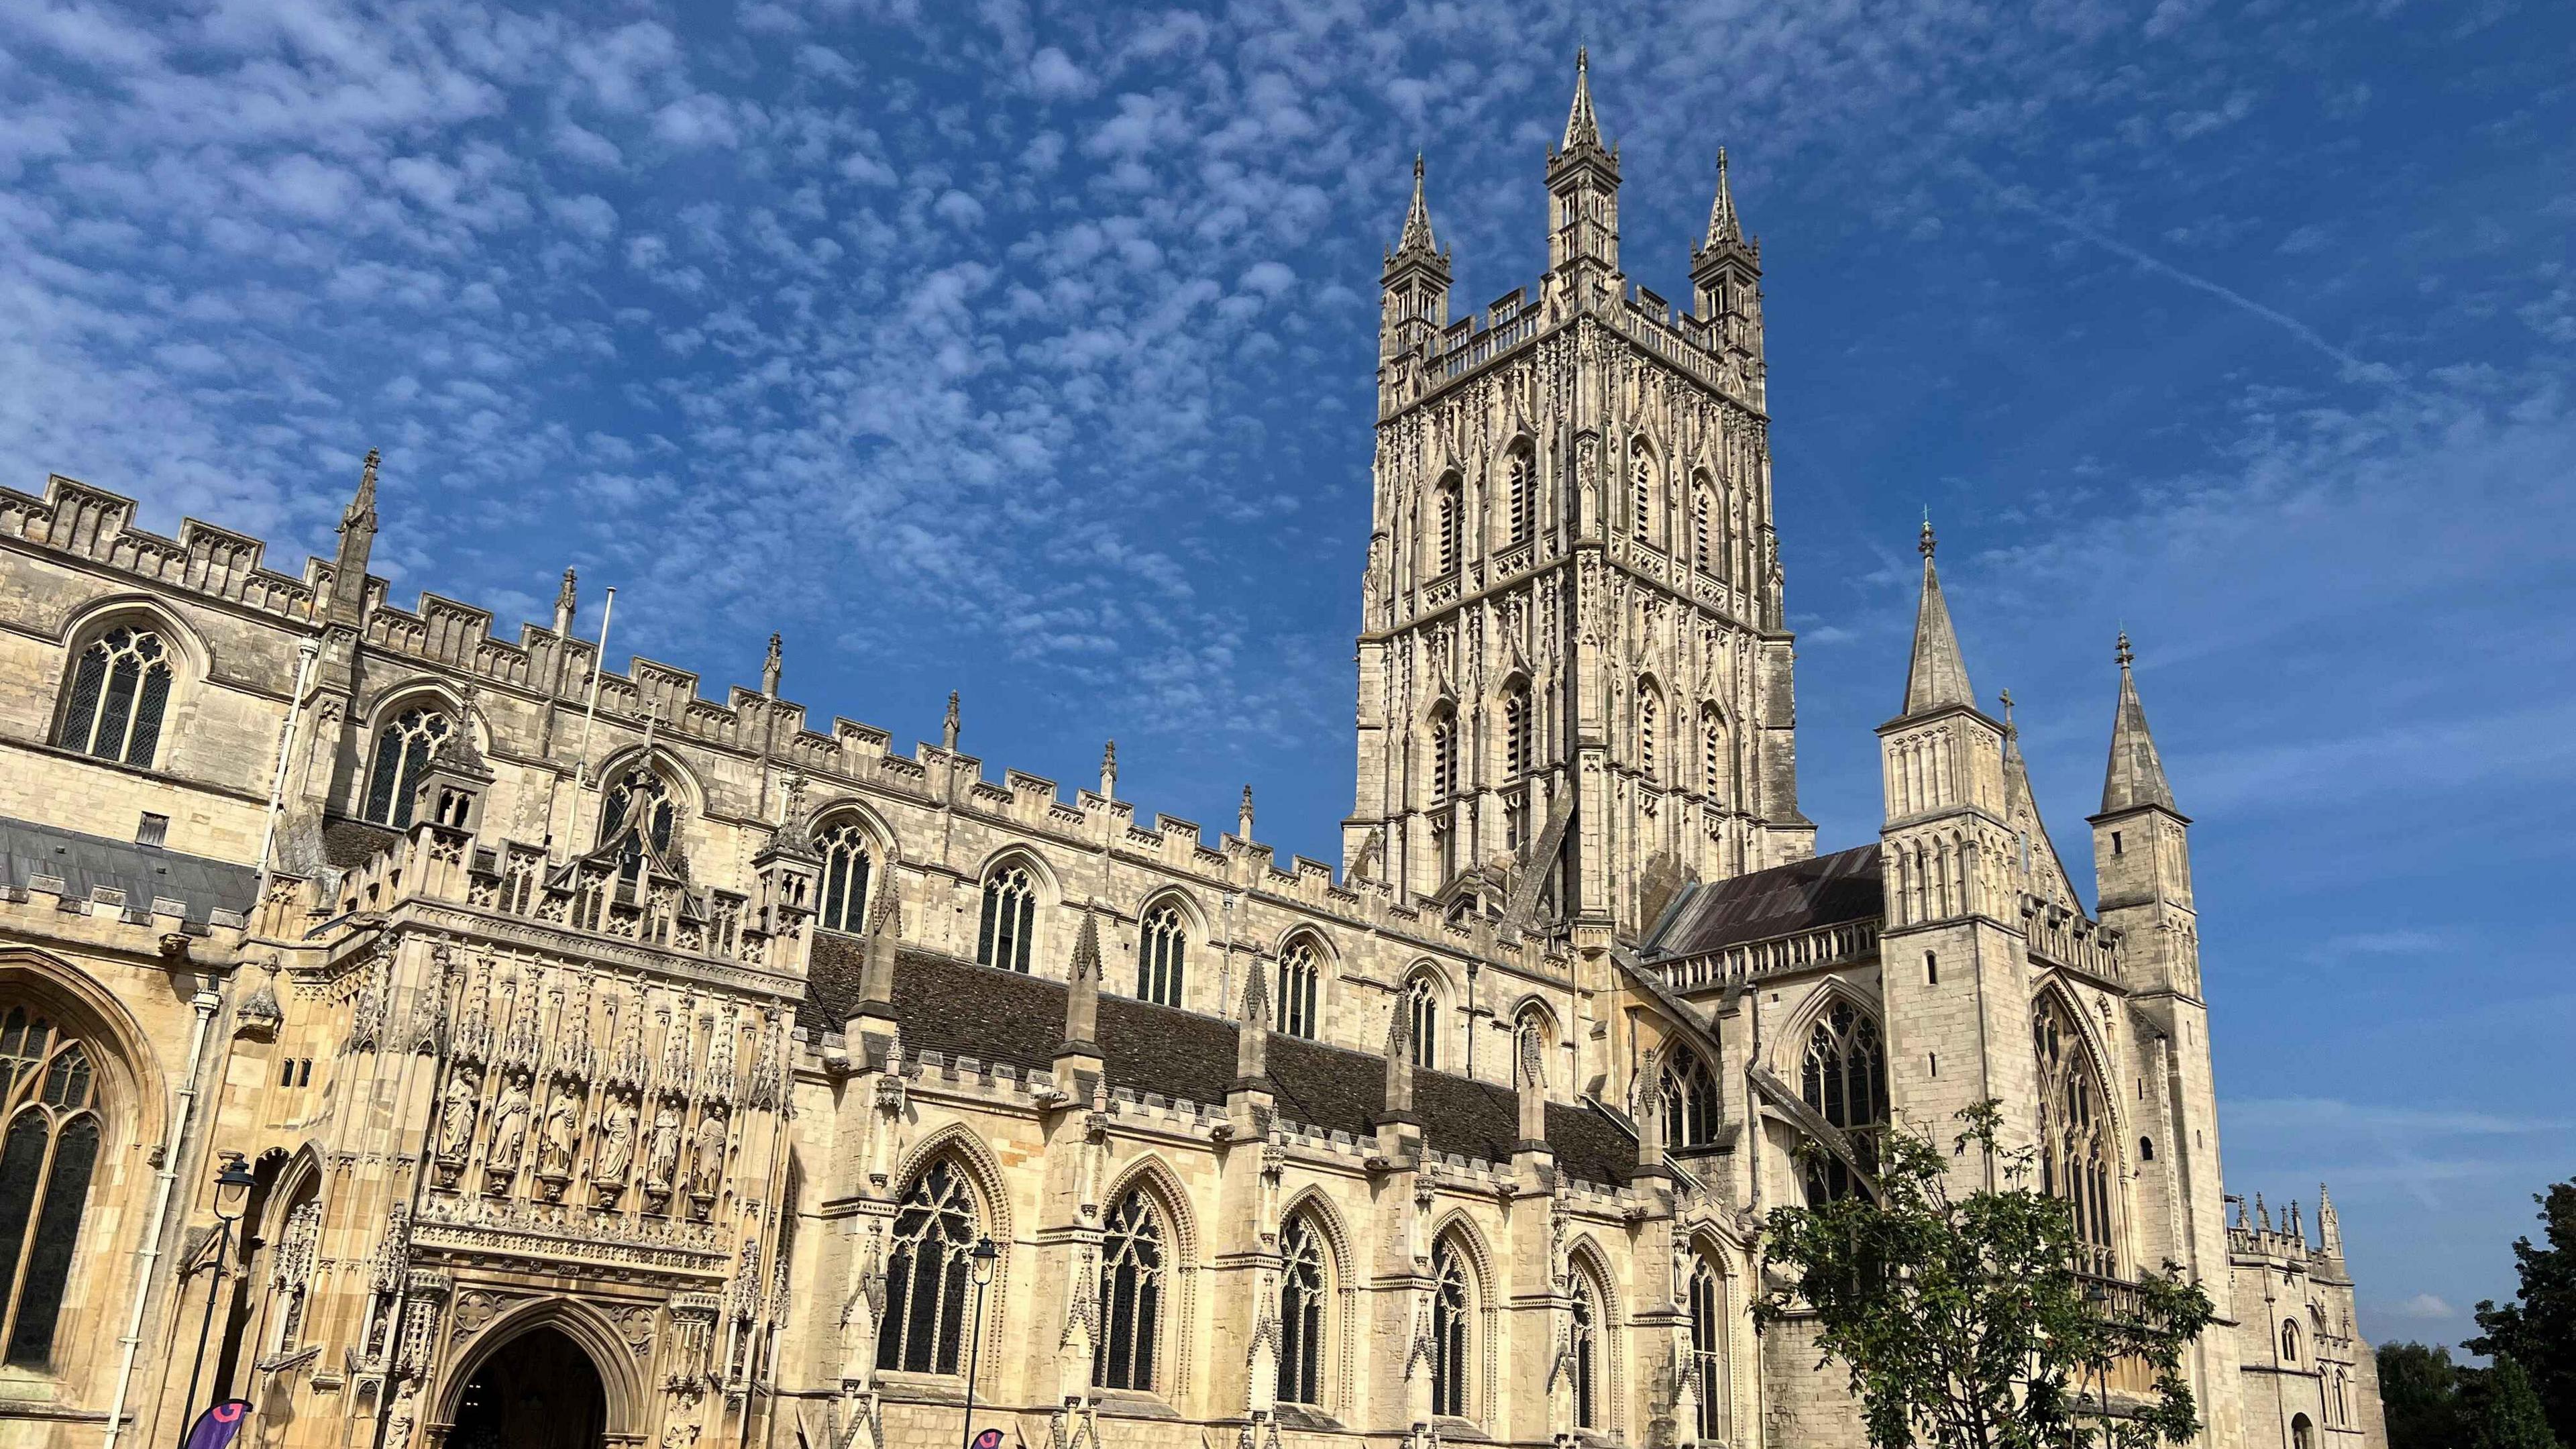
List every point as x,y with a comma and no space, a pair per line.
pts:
848,864
1586,1352
1708,1347
1649,705
291,1276
120,686
1703,524
1516,732
1446,520
2074,1132
927,1275
403,750
639,806
1641,472
1845,1080
1161,945
2342,1402
1131,1294
1449,1304
2303,1434
1444,756
1688,1093
1010,918
1302,1285
1422,1024
1299,975
1714,757
1521,490
2289,1340
48,1087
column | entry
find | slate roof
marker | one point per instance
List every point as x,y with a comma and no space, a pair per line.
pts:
1802,895
958,1009
144,873
350,843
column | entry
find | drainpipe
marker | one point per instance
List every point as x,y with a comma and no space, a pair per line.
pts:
205,1002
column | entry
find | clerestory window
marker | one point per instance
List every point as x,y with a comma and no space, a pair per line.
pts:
119,689
404,748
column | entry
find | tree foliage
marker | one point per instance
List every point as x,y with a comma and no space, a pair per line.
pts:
2419,1388
1962,1318
2505,1413
2538,1329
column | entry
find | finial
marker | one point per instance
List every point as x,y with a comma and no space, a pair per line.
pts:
769,668
361,512
948,730
1724,226
564,595
2009,728
2124,653
1580,127
1243,815
1924,546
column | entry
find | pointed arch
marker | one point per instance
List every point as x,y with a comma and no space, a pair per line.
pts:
858,861
1306,961
621,1372
1595,1337
1461,1290
409,723
1687,1093
1014,883
1520,489
1441,749
129,668
1151,1171
1167,924
1709,1302
1425,998
983,1173
2080,1133
1645,492
1444,525
1319,1206
1518,736
1651,723
1837,1054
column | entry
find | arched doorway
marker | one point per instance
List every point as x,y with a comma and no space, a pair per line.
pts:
538,1391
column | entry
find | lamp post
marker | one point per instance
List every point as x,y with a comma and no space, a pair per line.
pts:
981,1256
233,1183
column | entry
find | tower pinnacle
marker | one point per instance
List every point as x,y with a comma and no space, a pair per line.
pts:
1724,228
1581,129
1417,218
361,512
1937,677
2136,775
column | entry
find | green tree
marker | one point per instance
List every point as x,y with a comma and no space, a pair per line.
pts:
2419,1387
2538,1329
1962,1318
2507,1414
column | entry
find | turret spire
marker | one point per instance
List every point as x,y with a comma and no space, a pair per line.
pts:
2136,775
1937,677
1724,228
361,512
1580,127
1417,218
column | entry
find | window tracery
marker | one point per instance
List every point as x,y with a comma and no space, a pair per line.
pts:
1649,707
1010,918
639,808
1162,947
1446,521
1449,1317
1520,485
1714,757
1586,1349
1131,1294
119,689
1422,1022
404,748
1303,1282
1845,1079
1444,756
1516,732
1299,976
927,1274
1641,470
2074,1132
1708,1347
849,863
1688,1096
48,1088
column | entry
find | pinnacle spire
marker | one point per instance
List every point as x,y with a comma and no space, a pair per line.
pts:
1581,129
2136,775
1724,227
1417,218
1937,677
361,512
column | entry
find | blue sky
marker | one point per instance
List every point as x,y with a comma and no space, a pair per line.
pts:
1027,352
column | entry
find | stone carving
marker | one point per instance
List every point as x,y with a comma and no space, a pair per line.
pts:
662,1151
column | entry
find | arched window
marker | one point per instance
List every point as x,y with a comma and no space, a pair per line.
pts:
1303,1284
403,750
1703,524
2074,1131
1162,943
48,1086
1516,732
1688,1092
927,1274
1010,918
849,863
1131,1294
2289,1340
1449,1314
1586,1351
1520,490
1422,1023
1650,707
1299,976
2303,1435
1845,1080
1715,759
1641,473
2341,1404
1445,523
1444,755
119,688
1708,1338
639,807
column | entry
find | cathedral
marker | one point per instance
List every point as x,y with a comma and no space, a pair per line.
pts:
433,1039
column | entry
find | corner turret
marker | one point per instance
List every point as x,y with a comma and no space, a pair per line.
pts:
1414,306
2142,851
1583,192
1726,278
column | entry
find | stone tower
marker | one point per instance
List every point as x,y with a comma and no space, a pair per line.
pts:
1574,683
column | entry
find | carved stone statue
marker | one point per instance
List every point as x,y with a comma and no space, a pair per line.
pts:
662,1151
561,1134
510,1125
706,1156
456,1117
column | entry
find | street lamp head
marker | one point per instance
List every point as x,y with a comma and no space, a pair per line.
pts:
232,1187
983,1254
